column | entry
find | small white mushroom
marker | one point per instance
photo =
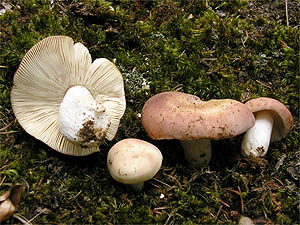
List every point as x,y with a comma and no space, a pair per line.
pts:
244,220
273,122
133,161
64,99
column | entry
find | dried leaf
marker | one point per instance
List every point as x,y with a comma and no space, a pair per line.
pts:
280,161
6,210
15,195
4,196
9,202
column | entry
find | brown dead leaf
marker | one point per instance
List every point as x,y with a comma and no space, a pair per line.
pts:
15,195
4,196
9,202
6,210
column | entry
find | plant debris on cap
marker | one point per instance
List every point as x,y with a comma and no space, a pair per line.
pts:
48,70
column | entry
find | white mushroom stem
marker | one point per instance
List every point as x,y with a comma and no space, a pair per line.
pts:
197,152
82,119
257,139
138,187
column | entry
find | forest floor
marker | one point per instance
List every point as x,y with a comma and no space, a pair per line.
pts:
213,49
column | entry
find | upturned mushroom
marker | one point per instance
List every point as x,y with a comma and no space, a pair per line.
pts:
273,121
65,100
132,162
177,115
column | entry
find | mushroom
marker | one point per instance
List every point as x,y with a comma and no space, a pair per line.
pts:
63,99
177,115
132,162
244,220
273,121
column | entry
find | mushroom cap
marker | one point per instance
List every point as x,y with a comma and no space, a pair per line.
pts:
177,115
283,119
132,161
46,72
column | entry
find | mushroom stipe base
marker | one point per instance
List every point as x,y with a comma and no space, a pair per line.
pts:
197,152
138,187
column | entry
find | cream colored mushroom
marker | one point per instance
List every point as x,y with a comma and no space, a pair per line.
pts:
244,220
273,121
133,161
177,115
64,99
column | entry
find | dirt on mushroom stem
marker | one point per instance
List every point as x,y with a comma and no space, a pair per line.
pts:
89,133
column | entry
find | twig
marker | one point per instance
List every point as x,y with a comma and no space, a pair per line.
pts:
2,181
6,126
22,219
33,218
156,210
286,12
8,132
175,179
263,84
238,193
244,41
279,181
155,185
219,211
170,215
162,182
209,59
181,54
162,208
241,196
224,203
77,194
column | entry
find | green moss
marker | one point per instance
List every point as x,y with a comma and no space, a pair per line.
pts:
212,49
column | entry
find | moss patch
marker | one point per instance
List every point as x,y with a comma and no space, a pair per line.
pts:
212,49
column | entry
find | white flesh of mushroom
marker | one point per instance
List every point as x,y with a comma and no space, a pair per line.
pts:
257,139
82,119
197,152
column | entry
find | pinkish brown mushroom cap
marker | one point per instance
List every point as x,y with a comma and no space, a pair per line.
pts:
283,119
177,115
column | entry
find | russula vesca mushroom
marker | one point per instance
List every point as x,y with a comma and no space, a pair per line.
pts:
132,162
177,115
62,98
273,121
